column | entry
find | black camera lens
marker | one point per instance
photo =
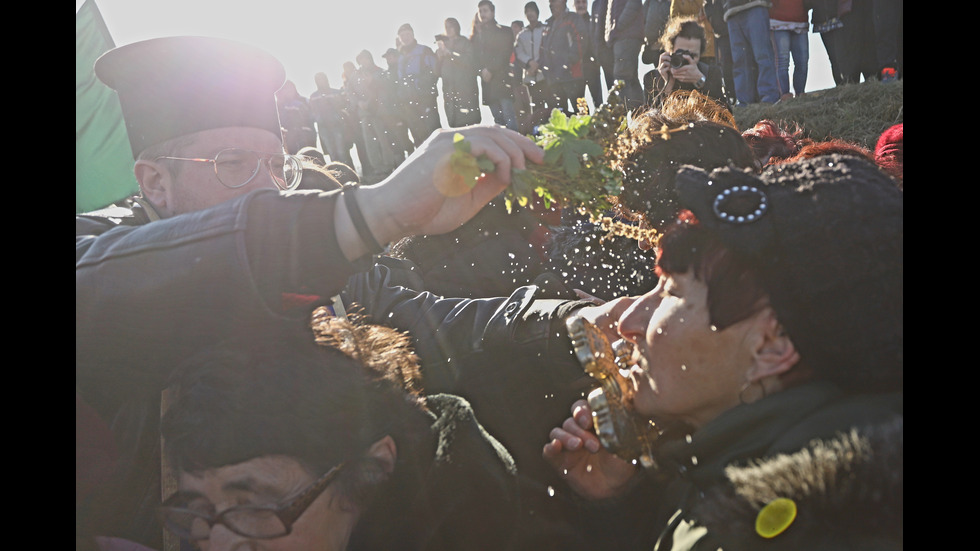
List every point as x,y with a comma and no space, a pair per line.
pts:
677,59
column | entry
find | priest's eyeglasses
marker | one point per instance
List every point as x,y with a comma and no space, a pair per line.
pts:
251,521
235,168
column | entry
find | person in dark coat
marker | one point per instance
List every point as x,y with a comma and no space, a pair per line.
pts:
335,437
494,45
457,68
329,106
296,118
621,25
564,48
590,65
417,76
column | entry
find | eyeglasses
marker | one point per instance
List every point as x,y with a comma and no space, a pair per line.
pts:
250,521
235,168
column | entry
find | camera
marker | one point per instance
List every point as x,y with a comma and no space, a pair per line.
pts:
677,58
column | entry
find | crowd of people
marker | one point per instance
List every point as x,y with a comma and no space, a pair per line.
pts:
275,352
736,51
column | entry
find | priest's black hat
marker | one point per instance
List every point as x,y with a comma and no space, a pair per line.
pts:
173,86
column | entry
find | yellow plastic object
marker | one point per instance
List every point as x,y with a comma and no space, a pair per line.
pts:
775,517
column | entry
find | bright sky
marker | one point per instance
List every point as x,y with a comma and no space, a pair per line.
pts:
310,36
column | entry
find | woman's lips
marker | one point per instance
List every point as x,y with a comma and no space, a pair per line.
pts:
636,376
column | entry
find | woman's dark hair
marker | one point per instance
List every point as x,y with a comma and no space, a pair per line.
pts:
321,403
650,161
735,290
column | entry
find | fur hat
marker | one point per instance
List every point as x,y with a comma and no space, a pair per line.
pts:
173,86
826,235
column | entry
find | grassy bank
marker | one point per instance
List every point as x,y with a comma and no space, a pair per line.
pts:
853,112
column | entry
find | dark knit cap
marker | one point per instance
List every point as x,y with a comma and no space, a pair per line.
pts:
827,237
173,86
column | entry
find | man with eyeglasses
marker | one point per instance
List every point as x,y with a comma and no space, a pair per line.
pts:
216,240
289,444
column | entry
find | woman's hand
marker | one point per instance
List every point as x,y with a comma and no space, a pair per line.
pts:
576,453
664,66
689,73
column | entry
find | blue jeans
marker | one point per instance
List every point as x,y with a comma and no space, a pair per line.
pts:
797,44
753,61
504,113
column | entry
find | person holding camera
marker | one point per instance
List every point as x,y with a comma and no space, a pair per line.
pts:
680,66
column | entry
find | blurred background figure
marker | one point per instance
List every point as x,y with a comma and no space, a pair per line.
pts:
655,16
353,131
527,53
622,28
457,68
494,45
563,51
789,25
328,107
296,118
889,22
753,60
590,65
393,104
417,76
367,93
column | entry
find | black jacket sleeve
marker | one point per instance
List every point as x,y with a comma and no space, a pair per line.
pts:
147,296
510,357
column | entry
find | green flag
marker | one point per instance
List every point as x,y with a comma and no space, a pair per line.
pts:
103,158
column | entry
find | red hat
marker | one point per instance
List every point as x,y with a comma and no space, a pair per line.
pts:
889,152
890,142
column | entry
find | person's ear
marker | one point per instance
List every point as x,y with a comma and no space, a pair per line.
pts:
774,352
155,182
386,452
